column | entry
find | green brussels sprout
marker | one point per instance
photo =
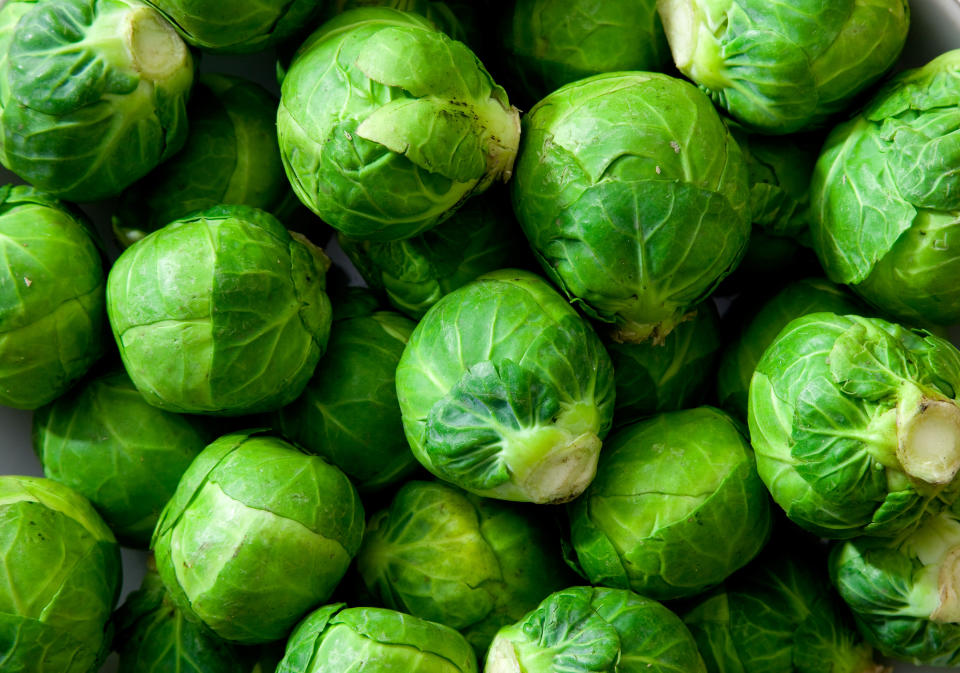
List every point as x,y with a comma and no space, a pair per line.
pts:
783,67
906,597
348,412
231,156
409,124
471,563
92,94
886,192
256,534
105,442
668,375
855,424
51,297
595,630
506,391
61,578
740,357
374,640
546,44
481,236
239,25
781,615
636,213
664,487
220,312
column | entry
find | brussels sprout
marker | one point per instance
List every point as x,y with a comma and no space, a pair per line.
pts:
374,640
471,563
595,630
231,156
61,578
634,196
51,297
414,273
105,442
92,94
666,376
549,43
256,534
220,312
506,391
906,597
886,193
740,357
349,413
408,124
239,25
664,487
783,67
779,614
855,424
457,19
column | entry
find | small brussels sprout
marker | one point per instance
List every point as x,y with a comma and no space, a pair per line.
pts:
61,578
506,391
256,535
670,375
51,297
740,357
595,630
92,94
634,196
231,156
906,597
220,312
885,195
374,640
348,412
784,67
855,424
481,236
778,614
664,487
408,126
105,442
547,43
471,563
239,25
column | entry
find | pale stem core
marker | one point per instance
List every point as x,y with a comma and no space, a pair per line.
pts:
155,47
948,582
502,658
564,472
929,446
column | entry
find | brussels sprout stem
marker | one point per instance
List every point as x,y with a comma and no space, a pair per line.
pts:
502,658
929,440
502,128
155,47
948,584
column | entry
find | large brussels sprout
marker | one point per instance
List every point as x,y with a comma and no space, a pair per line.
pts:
906,597
231,156
51,297
547,43
92,94
105,442
374,640
783,67
61,578
886,193
256,534
781,615
634,196
220,312
506,391
386,125
664,487
595,630
740,357
855,424
472,563
348,411
668,375
414,273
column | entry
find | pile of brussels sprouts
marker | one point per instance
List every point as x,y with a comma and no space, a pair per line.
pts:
529,443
